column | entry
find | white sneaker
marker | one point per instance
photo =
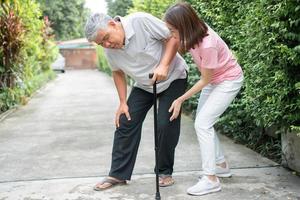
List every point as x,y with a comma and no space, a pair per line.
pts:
204,186
223,172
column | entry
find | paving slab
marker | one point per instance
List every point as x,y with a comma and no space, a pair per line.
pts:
59,145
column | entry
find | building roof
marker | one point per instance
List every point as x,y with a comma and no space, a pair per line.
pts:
80,43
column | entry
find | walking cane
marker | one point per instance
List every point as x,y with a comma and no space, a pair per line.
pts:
157,195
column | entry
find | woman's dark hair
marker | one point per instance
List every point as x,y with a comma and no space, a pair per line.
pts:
191,28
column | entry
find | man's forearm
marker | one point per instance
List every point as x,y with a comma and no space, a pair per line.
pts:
121,85
170,51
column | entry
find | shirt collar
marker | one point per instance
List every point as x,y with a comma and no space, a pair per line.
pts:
129,32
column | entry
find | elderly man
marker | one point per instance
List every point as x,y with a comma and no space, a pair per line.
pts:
137,45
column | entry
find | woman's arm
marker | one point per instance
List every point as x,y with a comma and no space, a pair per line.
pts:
206,75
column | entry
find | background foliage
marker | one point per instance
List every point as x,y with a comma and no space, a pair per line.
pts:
67,17
102,62
265,37
124,7
27,39
118,7
155,7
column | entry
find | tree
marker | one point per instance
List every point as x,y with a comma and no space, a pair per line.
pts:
118,7
155,7
67,17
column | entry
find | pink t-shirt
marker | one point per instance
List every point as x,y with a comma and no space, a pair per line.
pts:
213,53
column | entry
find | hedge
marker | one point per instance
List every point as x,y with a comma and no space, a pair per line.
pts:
26,51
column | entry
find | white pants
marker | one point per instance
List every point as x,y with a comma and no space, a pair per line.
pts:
213,101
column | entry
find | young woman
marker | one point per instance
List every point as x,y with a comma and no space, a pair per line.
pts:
221,80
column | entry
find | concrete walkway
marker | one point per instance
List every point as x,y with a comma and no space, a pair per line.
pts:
59,145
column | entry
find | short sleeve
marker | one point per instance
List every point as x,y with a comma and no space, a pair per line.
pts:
209,58
156,27
110,60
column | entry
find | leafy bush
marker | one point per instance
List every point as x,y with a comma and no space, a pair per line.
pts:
119,7
68,17
30,51
155,7
11,34
265,37
102,62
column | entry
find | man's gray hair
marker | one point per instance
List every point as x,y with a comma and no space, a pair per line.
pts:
96,22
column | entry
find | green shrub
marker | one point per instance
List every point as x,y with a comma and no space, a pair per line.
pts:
11,35
155,7
265,37
30,52
102,62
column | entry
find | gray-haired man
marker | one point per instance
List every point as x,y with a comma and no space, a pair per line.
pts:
137,45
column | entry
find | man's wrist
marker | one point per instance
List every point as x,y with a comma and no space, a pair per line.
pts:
165,66
122,101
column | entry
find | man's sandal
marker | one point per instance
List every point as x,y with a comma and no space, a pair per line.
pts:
165,181
109,182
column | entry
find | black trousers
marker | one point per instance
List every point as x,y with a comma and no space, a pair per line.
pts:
127,136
